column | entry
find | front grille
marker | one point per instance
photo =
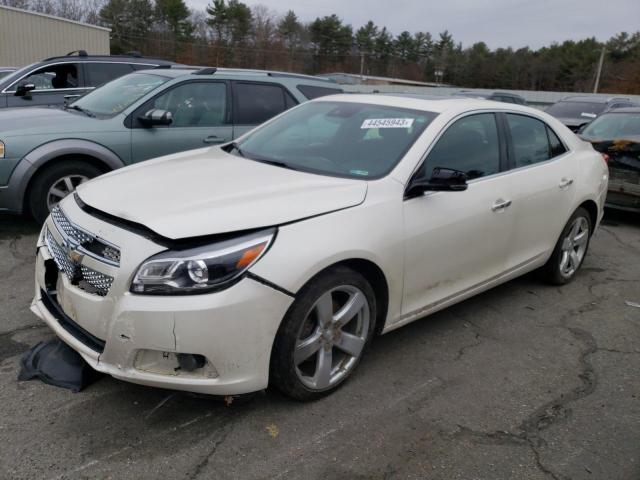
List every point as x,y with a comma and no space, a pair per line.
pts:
84,277
99,281
84,241
59,255
74,233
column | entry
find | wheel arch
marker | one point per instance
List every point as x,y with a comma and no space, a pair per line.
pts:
52,153
592,208
374,275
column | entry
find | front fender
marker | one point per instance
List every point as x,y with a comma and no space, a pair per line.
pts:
12,195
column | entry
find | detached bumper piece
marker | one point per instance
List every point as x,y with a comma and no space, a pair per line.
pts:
56,363
91,341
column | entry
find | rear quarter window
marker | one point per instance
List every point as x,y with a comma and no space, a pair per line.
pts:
255,103
313,91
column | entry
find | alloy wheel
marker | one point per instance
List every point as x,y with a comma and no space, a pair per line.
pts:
332,337
574,246
63,187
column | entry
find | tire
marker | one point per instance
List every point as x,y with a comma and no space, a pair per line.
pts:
302,377
556,271
39,199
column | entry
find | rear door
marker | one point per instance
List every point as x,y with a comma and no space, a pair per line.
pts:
53,82
201,117
257,102
542,173
455,241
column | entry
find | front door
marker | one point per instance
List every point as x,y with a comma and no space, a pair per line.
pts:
53,83
199,111
455,241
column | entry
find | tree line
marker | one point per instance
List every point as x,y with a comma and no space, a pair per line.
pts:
232,34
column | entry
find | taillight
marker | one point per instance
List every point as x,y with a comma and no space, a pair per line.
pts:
605,157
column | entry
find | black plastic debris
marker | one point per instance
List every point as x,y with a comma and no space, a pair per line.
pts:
56,363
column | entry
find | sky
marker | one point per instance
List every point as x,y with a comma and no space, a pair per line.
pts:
498,23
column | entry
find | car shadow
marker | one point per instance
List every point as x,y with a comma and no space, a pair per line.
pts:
17,225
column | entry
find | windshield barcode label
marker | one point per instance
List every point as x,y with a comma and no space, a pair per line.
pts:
387,123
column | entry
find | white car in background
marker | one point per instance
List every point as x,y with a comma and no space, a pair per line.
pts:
277,258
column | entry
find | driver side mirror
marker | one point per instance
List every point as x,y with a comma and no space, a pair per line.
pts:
156,117
442,180
23,89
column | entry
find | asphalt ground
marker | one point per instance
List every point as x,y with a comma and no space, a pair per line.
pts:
525,381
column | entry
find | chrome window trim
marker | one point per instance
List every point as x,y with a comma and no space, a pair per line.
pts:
6,90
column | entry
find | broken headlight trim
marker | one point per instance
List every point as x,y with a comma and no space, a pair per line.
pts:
201,269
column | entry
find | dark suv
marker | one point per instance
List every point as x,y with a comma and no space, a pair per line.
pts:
57,79
578,110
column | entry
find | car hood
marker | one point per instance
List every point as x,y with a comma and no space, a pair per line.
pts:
208,191
36,120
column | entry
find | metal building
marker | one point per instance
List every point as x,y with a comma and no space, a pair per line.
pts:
27,37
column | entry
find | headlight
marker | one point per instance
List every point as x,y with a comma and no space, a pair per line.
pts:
1,149
201,269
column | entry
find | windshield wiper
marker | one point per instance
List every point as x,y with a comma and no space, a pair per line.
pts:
275,163
80,109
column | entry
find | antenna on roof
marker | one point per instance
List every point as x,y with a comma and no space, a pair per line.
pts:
81,53
134,53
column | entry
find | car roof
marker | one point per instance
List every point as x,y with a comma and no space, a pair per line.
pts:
624,110
177,71
589,99
436,105
125,58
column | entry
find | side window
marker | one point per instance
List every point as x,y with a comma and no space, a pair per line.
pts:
529,140
555,145
257,102
53,77
313,91
194,104
470,145
99,73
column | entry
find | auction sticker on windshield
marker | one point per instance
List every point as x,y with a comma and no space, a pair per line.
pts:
387,123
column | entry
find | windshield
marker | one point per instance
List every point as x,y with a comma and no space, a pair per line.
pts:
613,126
352,140
585,110
115,96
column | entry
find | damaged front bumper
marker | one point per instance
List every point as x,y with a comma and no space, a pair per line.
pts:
139,338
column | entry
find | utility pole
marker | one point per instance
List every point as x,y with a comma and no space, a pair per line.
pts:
361,66
599,72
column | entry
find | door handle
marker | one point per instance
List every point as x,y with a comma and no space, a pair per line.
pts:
211,139
565,182
500,205
67,97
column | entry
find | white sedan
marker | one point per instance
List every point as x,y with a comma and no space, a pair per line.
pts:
277,258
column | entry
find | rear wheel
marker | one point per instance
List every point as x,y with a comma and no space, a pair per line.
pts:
56,182
324,334
570,250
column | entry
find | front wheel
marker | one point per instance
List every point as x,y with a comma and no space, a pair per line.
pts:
570,250
324,334
56,182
